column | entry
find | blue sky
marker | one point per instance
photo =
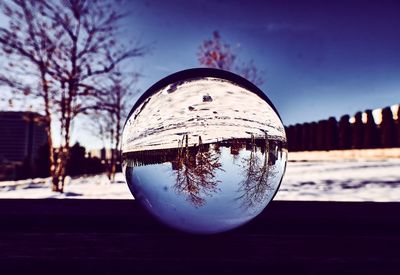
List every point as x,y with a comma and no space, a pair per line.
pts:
319,58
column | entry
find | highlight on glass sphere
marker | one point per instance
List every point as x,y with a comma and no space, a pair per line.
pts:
204,151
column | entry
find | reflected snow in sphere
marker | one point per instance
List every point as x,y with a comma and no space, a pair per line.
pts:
204,151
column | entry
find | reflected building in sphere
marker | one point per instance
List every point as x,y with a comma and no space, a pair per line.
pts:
204,151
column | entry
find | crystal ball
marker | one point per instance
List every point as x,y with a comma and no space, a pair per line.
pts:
204,151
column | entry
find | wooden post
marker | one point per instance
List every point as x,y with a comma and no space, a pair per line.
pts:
398,127
322,135
371,133
314,136
332,135
291,138
306,136
344,132
299,137
357,132
388,131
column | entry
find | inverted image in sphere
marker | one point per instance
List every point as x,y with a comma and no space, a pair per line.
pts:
204,151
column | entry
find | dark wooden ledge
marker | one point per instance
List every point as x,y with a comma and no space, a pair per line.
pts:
117,236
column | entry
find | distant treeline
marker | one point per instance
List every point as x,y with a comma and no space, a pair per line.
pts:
158,156
331,134
79,163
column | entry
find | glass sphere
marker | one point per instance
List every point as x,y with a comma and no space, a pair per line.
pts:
204,151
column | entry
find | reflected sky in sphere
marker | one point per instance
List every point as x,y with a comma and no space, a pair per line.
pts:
204,151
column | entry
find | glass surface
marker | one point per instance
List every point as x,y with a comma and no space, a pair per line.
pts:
204,154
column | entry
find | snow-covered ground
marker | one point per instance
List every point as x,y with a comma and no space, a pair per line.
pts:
233,112
86,187
332,180
342,180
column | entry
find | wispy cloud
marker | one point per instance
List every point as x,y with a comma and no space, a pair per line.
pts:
283,26
162,68
274,27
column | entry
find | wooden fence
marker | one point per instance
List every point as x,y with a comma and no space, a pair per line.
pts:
331,134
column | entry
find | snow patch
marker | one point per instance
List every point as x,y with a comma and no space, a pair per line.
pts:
333,180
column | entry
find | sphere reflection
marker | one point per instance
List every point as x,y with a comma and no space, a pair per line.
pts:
204,151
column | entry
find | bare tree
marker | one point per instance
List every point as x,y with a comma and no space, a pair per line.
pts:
73,43
113,108
256,170
215,53
249,71
88,50
28,49
196,173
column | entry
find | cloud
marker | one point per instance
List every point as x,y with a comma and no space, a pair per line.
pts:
163,68
282,27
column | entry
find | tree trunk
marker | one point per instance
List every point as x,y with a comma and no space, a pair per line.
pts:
65,131
52,163
53,176
115,153
65,148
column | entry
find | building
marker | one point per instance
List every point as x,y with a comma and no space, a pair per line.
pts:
23,134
